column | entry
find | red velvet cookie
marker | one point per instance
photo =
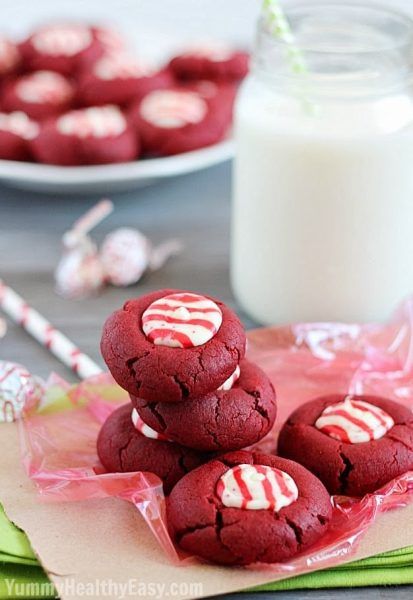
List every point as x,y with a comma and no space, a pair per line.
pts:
177,120
40,95
91,136
9,56
117,78
172,345
354,444
62,47
122,448
227,419
246,507
211,61
220,96
16,133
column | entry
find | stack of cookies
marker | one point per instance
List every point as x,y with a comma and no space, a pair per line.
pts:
180,356
195,404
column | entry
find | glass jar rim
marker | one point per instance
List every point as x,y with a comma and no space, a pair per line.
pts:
366,7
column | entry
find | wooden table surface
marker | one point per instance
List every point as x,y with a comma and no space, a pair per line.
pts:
194,208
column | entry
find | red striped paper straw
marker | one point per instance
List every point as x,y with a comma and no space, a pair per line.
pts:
38,327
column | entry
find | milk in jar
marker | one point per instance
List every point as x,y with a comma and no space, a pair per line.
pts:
322,215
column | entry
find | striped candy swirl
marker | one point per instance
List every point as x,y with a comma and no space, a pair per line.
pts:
19,124
62,40
256,487
170,109
96,121
144,429
182,320
121,66
44,86
354,421
228,384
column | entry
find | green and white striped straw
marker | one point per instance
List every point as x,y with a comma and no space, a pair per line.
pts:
281,29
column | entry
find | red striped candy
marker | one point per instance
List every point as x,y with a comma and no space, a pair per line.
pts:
19,391
256,487
144,429
182,320
118,65
19,124
96,121
44,86
228,384
354,421
62,40
170,109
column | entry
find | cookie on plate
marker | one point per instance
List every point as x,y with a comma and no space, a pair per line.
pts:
40,95
235,416
90,136
220,97
173,345
177,120
124,445
117,78
245,507
61,47
16,133
215,61
354,444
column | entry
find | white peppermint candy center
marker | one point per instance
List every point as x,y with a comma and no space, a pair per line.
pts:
121,66
44,86
172,109
62,40
354,421
182,320
97,121
19,124
256,487
228,384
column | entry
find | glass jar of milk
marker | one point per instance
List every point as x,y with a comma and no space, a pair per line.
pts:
322,224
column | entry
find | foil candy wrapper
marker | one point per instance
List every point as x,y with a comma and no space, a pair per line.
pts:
126,255
79,272
20,391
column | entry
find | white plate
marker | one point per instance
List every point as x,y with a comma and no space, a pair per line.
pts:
110,178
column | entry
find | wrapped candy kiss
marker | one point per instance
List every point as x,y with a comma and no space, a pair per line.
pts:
20,391
79,272
125,256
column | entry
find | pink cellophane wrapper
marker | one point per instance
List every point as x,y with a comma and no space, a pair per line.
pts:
303,361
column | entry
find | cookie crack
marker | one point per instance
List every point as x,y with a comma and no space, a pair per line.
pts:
321,519
219,527
179,535
123,449
298,532
400,441
344,475
257,407
154,410
181,385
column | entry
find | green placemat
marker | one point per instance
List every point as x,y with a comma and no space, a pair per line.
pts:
19,567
